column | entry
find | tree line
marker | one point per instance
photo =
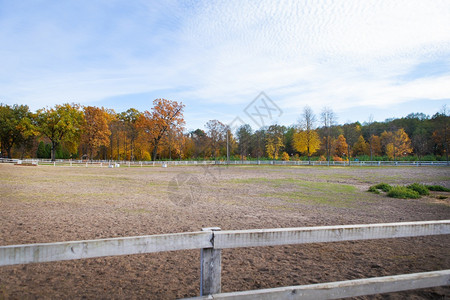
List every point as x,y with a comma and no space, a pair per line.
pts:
88,132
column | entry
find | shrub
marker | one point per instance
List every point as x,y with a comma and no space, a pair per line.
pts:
322,158
383,186
146,156
402,192
337,158
372,189
285,156
437,188
420,188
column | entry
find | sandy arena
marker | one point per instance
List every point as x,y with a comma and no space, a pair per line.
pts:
51,204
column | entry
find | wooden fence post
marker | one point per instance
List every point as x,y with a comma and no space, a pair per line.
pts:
210,268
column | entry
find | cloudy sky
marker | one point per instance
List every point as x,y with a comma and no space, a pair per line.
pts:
386,58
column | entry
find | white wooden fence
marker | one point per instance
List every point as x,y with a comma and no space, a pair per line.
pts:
211,241
109,163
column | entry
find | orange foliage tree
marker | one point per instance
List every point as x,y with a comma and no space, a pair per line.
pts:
375,145
96,131
166,118
341,146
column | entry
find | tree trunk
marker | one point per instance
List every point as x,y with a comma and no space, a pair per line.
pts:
155,151
53,152
8,151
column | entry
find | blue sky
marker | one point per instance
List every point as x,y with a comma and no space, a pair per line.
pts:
386,58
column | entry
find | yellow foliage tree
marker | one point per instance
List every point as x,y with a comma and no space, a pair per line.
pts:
360,147
273,146
307,142
397,144
375,145
274,141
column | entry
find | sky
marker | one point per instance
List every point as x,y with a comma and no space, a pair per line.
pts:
234,61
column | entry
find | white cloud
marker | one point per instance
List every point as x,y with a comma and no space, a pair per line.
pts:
337,53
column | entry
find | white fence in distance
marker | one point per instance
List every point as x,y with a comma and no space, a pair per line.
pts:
211,241
123,163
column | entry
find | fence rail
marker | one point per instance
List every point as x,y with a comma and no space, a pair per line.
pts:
121,163
211,241
343,289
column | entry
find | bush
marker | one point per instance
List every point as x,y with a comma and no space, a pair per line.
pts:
403,192
384,187
337,158
285,156
146,156
373,189
420,188
437,188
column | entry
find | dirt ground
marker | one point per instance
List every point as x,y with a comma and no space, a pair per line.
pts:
50,204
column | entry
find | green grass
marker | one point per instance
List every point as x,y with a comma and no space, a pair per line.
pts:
374,190
437,188
383,186
412,191
419,188
322,193
403,192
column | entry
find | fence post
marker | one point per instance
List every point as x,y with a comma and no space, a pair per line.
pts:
210,268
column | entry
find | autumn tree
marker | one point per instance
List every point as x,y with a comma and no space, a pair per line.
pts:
420,141
15,126
351,132
307,140
397,144
258,143
361,147
274,140
328,119
244,135
200,141
216,132
374,145
341,146
116,129
129,126
96,131
166,115
61,124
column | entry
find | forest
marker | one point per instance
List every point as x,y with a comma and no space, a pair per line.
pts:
72,131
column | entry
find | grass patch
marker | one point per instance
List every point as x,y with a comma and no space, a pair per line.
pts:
437,188
374,190
403,192
321,193
419,188
382,186
249,180
412,191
